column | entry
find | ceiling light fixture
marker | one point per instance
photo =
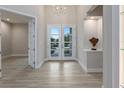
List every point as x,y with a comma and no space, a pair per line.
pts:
8,19
59,10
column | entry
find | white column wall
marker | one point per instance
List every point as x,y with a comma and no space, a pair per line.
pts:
110,46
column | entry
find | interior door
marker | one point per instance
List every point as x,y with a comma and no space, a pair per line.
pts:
31,41
68,42
54,42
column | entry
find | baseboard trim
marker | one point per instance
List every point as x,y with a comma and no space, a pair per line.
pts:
95,70
48,59
19,55
6,57
82,66
14,55
39,65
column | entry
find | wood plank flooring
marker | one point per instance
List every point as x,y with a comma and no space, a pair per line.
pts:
63,74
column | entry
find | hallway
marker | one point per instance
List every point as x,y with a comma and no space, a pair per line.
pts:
63,74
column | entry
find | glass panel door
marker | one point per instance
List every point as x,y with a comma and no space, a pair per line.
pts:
61,42
67,41
54,34
67,49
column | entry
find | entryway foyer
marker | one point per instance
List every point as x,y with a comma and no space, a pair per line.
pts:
82,41
55,56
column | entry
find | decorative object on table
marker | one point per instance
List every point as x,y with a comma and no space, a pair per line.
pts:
93,41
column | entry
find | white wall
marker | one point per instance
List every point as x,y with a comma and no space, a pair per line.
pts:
6,38
100,33
81,13
19,39
39,13
14,39
111,46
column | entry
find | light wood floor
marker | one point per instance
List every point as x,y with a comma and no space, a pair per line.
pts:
62,74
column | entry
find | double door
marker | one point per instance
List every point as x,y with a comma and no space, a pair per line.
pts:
61,42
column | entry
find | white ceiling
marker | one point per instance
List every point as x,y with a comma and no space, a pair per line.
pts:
14,17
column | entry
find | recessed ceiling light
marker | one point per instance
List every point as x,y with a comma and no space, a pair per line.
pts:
8,19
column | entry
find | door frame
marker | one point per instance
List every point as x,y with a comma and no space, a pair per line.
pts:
61,54
31,43
34,18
